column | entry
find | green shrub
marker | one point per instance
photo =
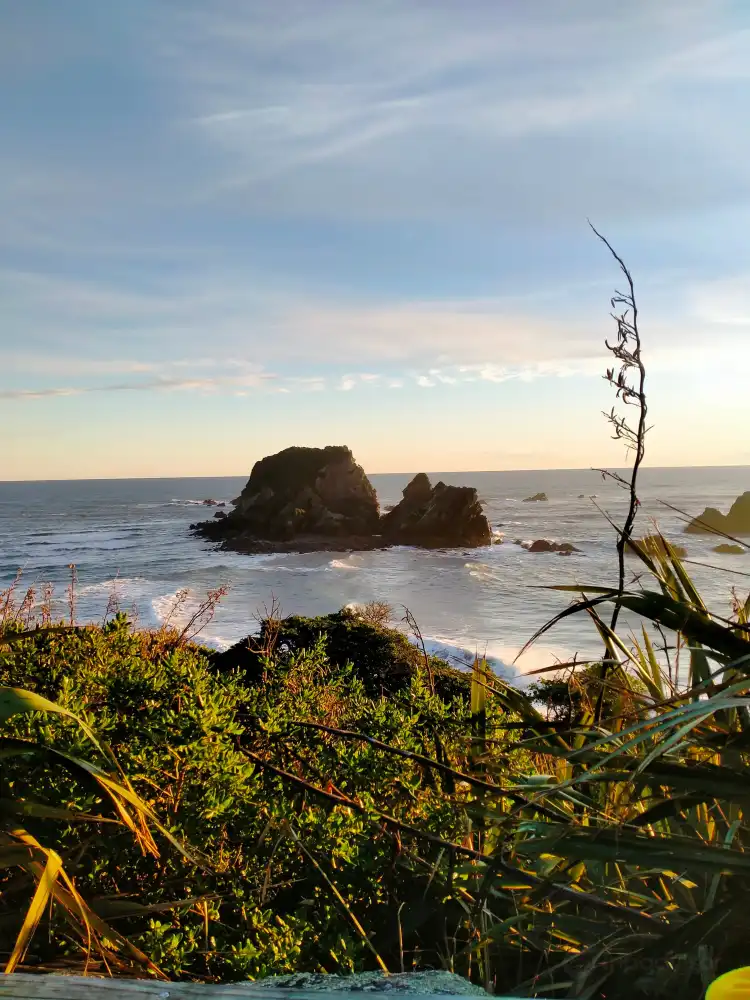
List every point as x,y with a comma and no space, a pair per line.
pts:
195,742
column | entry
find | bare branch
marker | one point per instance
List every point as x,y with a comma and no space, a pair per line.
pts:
628,378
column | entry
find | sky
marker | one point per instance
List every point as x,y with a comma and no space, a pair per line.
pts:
235,226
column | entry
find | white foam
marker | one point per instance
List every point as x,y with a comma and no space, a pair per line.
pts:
500,658
463,656
133,586
481,571
214,641
343,564
194,503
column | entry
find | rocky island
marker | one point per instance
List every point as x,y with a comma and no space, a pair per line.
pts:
712,521
320,499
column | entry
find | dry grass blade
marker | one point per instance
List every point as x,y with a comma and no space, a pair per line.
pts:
34,913
334,889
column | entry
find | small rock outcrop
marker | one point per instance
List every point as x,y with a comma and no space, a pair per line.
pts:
728,549
548,545
736,522
537,497
437,516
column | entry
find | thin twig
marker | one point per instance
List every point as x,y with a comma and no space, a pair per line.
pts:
334,889
627,352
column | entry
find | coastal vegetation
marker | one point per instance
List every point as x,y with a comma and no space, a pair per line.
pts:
326,796
170,811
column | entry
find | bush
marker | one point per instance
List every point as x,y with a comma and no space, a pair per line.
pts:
277,857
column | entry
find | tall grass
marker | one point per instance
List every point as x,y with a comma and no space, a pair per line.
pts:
43,881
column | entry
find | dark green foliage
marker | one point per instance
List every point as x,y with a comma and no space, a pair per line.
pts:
567,697
382,659
182,731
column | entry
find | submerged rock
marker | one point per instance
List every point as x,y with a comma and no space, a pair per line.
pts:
437,516
729,549
548,545
736,522
537,497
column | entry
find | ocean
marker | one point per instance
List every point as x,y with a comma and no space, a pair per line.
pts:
132,536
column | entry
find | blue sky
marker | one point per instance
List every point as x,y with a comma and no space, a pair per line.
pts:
229,227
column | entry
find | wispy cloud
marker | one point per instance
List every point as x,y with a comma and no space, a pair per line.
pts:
255,381
364,199
304,341
369,98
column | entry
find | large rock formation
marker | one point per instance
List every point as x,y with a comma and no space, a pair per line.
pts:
303,494
308,499
536,498
736,522
437,516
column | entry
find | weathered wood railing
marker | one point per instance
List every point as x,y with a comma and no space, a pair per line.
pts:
19,986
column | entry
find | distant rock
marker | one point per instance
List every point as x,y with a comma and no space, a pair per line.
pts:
548,545
220,514
437,516
736,522
654,545
210,503
537,497
319,499
581,496
728,549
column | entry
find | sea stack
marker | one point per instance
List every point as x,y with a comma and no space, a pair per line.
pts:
437,516
320,499
712,521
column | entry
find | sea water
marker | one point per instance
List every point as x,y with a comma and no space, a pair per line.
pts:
131,538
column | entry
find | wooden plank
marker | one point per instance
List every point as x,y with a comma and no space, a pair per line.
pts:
22,986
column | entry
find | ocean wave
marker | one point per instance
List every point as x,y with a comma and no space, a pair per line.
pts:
216,642
123,585
76,537
481,571
463,656
195,503
349,563
174,607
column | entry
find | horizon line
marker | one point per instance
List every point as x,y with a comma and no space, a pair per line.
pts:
407,472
